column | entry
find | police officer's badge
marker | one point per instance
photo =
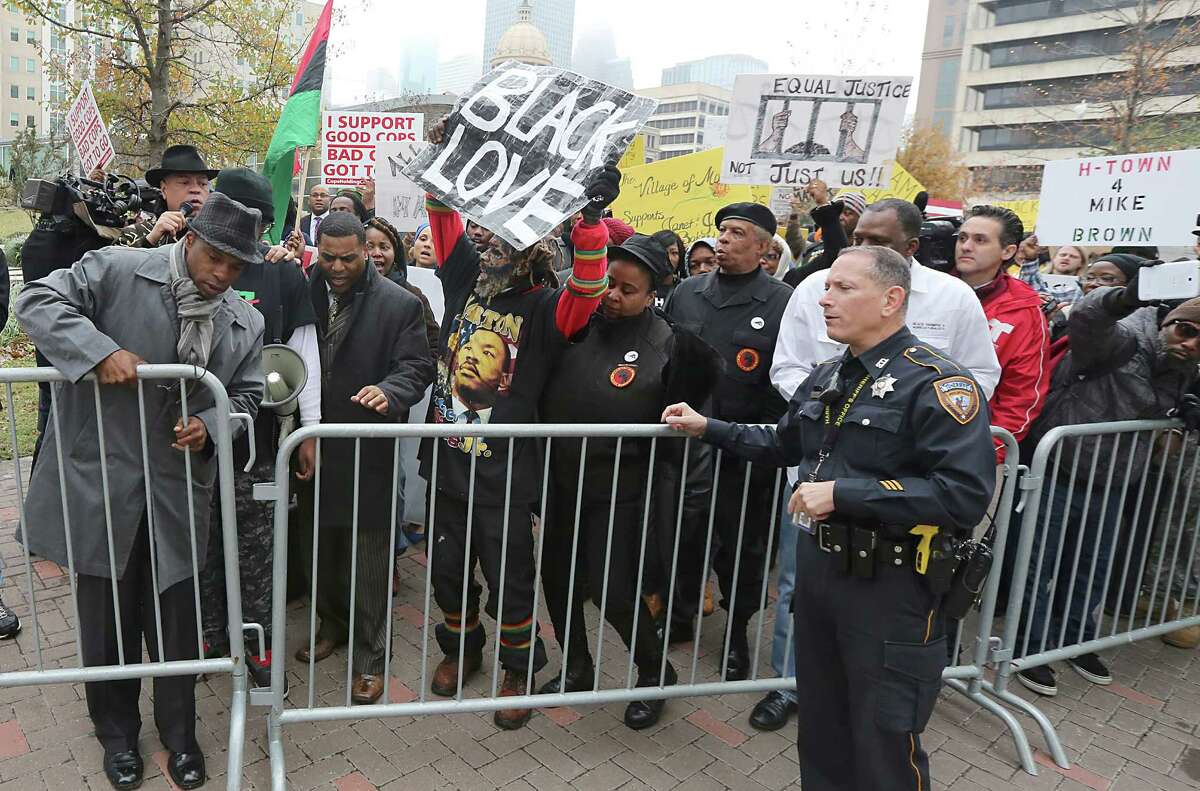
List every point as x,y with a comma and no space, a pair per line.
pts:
958,396
747,359
622,376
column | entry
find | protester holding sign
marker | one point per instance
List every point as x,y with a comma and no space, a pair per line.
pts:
507,326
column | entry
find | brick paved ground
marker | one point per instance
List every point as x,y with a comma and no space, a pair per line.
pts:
1140,733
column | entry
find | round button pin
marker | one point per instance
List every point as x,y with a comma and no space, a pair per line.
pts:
757,322
631,356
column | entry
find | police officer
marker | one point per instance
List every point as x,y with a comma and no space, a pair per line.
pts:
736,309
628,366
896,461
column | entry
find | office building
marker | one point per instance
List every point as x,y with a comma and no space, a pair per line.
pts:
596,57
682,113
940,61
554,18
718,70
1035,80
418,67
456,75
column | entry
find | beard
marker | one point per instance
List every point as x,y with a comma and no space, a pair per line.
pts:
1172,362
498,278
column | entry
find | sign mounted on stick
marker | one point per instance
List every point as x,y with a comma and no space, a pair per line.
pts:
397,199
1123,199
521,147
789,129
348,142
88,132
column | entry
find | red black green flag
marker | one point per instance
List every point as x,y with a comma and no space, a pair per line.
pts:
300,120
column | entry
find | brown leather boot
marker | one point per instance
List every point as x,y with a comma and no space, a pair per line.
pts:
511,719
366,688
445,676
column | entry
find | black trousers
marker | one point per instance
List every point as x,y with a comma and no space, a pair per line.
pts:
751,563
449,551
590,577
256,545
868,670
113,705
372,604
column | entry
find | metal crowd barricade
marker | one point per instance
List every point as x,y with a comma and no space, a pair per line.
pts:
966,678
1108,536
132,665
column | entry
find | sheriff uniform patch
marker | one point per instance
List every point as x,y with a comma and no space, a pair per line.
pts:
747,360
622,375
958,396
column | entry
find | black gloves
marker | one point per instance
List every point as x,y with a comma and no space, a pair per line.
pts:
1189,411
602,190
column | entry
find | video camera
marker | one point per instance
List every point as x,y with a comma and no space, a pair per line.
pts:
77,216
938,238
112,203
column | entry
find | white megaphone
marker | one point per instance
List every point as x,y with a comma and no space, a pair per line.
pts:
286,375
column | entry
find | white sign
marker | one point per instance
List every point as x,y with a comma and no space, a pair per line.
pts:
397,199
1127,199
789,129
348,142
415,490
522,146
88,131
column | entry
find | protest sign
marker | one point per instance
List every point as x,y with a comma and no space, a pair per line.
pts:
1027,210
636,155
397,199
1125,199
681,194
787,130
348,142
902,185
88,131
522,145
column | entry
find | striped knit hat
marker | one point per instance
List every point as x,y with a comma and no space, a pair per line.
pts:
854,201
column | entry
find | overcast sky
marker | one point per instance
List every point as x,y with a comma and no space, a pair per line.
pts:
879,37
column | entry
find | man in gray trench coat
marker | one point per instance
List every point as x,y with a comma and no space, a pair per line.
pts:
110,311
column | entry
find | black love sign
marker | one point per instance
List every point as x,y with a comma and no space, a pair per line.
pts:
521,146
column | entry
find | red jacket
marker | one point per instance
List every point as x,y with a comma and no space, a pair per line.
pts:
1021,337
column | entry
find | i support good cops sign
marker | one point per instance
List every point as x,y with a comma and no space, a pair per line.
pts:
348,142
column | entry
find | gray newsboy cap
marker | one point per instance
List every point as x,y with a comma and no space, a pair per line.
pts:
229,226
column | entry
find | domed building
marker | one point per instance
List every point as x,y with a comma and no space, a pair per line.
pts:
523,42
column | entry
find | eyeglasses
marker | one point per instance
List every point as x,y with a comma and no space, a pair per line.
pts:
1104,280
1184,330
772,256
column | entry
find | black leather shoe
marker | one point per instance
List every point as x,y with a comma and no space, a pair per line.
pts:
579,679
772,712
642,714
187,769
737,655
124,770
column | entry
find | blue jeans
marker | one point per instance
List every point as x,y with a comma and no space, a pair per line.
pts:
1069,527
781,643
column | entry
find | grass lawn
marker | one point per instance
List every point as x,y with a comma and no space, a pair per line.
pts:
17,352
14,221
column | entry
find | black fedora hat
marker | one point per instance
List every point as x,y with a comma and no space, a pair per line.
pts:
179,159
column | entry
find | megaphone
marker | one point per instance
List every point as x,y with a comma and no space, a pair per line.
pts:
286,375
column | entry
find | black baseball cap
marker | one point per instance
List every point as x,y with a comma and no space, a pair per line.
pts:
648,252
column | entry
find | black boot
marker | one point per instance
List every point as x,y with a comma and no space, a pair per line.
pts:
580,677
642,714
737,651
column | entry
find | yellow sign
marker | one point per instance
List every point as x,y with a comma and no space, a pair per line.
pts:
681,194
1027,210
635,155
903,186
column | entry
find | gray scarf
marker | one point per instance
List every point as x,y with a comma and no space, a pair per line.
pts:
195,312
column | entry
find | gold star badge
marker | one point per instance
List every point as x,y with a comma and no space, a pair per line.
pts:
883,385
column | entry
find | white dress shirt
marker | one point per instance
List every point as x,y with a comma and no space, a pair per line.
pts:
943,311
